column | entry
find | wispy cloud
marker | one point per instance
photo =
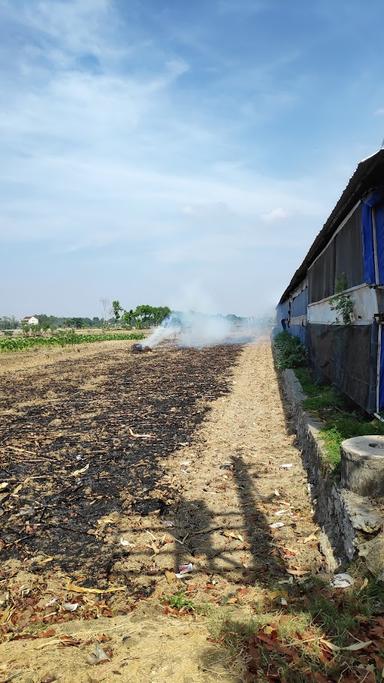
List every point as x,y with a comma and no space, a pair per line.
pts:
275,215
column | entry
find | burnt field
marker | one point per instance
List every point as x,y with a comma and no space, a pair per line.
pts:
88,438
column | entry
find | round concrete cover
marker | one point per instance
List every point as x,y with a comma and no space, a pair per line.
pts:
371,447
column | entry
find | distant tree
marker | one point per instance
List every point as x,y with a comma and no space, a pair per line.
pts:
145,316
78,323
8,323
128,318
117,309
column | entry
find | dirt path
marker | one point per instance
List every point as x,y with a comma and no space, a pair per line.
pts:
242,518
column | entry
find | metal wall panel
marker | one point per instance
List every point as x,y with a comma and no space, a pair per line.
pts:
349,251
345,355
321,275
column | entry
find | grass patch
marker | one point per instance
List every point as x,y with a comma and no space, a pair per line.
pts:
180,602
342,420
292,644
321,397
346,426
290,352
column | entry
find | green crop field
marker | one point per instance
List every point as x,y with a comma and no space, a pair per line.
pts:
63,339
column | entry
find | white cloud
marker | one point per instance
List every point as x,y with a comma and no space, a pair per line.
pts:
274,215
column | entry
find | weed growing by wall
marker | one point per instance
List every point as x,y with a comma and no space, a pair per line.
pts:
290,352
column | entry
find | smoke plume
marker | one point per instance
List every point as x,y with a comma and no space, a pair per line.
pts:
199,329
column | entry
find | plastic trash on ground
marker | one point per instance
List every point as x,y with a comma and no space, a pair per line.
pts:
342,581
184,569
97,655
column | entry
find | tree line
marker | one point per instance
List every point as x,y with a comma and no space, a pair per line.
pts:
142,317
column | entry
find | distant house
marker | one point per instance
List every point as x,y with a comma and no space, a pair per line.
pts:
30,320
335,301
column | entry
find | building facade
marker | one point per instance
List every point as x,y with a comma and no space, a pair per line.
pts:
335,300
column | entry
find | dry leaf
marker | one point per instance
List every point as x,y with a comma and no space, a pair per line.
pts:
69,641
329,645
170,576
268,630
297,572
47,634
360,645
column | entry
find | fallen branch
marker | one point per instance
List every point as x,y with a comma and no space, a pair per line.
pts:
17,448
207,530
98,591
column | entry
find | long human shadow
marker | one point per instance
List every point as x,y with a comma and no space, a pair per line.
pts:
206,535
310,603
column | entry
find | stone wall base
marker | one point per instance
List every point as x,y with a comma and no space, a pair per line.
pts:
351,525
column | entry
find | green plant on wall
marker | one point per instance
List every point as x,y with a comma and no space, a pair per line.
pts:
342,302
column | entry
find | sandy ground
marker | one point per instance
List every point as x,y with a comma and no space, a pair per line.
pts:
240,475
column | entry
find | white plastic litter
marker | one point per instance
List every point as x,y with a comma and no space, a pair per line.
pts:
125,543
342,581
70,606
97,655
277,525
184,569
51,602
286,465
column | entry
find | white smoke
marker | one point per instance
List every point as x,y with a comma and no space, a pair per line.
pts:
198,330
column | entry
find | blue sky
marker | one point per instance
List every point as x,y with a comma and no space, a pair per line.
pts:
172,152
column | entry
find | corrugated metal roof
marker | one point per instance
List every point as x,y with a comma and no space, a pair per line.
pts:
369,173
